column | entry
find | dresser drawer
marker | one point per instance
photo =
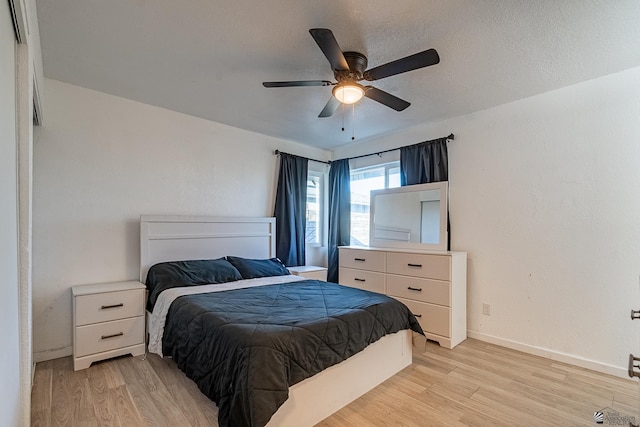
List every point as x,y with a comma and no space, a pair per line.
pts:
107,336
108,306
419,265
362,259
425,290
432,318
368,280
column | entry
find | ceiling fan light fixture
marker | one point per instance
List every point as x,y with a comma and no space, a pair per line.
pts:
351,67
349,92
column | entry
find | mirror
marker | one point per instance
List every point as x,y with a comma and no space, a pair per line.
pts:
412,217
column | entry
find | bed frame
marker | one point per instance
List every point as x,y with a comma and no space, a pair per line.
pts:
177,238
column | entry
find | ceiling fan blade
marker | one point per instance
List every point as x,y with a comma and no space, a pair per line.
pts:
385,98
330,108
409,63
298,83
330,48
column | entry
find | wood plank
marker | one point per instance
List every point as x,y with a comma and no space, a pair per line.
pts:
41,418
195,410
195,406
137,370
156,407
124,407
105,412
41,391
64,404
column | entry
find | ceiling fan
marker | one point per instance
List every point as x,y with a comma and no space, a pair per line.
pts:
349,68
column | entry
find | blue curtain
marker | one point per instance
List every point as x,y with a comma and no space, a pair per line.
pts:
290,209
426,162
339,214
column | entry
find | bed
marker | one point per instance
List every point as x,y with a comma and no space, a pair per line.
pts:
300,387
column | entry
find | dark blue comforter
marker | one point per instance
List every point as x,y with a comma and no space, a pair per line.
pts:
245,347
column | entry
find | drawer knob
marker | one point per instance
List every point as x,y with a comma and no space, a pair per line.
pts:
414,289
105,307
632,366
357,279
417,315
635,314
415,265
119,334
359,259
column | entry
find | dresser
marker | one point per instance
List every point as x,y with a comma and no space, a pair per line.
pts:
432,284
108,321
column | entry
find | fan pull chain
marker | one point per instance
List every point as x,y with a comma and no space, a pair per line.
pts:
342,112
353,122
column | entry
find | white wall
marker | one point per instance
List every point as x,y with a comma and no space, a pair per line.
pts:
10,387
100,162
545,197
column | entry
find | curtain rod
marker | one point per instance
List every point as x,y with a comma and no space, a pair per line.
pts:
451,137
313,160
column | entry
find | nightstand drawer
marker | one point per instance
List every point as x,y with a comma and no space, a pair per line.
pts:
109,306
419,265
432,318
362,259
107,336
425,290
367,280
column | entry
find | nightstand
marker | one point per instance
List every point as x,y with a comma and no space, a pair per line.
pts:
108,321
310,272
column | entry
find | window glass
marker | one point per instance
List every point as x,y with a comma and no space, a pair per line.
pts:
364,180
313,232
394,177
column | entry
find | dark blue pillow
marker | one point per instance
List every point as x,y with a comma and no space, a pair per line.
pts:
254,268
174,274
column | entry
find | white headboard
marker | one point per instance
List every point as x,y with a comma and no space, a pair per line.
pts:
179,238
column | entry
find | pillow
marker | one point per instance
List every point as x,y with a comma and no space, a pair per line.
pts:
254,268
174,274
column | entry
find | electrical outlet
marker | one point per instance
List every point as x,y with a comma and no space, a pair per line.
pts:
486,309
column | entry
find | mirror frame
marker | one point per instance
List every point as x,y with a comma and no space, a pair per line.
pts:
443,186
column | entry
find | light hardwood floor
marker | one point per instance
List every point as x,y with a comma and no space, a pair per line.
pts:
476,384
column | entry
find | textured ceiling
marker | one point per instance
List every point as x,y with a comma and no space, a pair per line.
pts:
208,58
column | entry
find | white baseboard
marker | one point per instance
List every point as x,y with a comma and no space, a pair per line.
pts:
41,356
551,354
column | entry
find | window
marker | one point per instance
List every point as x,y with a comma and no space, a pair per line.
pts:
314,211
364,180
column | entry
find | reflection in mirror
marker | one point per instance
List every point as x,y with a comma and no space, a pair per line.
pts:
411,217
